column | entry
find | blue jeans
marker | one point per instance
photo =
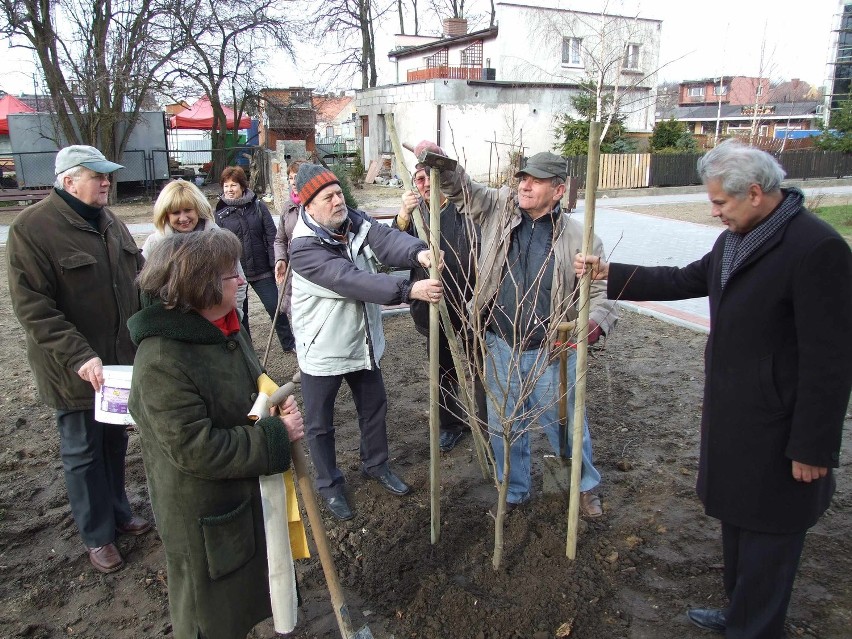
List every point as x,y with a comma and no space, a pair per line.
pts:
267,291
526,377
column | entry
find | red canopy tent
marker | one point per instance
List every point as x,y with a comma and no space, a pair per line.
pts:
11,104
200,116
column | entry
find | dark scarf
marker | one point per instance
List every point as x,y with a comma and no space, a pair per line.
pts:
92,214
741,246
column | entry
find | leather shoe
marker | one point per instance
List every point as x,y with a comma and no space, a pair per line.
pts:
711,619
106,559
390,482
136,526
590,505
450,438
339,507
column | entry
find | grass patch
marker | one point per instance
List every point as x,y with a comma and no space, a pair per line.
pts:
839,216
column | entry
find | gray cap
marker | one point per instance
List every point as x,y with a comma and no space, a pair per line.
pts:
545,165
81,155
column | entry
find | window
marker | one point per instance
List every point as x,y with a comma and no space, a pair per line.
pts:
696,92
720,90
572,51
759,89
329,131
631,57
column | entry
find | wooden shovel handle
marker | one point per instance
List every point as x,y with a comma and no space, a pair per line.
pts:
341,611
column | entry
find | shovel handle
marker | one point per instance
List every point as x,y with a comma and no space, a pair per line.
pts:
341,610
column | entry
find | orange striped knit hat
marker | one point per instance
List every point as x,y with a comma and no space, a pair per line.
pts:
311,179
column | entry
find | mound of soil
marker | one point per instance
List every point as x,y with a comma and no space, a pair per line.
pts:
637,569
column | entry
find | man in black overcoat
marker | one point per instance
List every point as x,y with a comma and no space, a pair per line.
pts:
778,376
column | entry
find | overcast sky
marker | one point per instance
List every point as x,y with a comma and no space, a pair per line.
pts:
698,40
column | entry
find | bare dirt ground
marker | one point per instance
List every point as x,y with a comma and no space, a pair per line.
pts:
651,556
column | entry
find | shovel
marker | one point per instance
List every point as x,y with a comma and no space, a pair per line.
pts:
300,465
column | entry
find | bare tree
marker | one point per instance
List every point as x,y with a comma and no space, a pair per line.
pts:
101,61
226,48
350,25
449,8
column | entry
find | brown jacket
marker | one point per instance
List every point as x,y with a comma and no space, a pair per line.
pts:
73,290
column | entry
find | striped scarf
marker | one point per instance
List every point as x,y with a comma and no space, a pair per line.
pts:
741,246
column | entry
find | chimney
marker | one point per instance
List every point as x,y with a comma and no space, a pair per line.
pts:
454,27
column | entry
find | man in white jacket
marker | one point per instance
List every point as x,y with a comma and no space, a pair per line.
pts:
336,312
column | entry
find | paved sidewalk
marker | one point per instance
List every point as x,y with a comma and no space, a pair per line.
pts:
652,241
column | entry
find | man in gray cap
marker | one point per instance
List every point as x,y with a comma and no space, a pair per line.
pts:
526,287
72,266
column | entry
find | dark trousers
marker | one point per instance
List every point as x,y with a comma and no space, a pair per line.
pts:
93,459
318,395
759,573
267,291
452,413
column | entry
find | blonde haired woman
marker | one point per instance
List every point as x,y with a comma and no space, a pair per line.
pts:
181,207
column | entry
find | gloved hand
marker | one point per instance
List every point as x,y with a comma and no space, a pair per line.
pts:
595,332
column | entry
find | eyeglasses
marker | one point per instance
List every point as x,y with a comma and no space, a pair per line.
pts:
231,277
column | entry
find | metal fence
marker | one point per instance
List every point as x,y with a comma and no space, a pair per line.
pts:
36,168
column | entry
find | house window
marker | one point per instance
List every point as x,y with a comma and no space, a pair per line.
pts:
720,90
572,51
631,57
759,89
329,131
696,92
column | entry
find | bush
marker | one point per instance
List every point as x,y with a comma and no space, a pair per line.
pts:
666,134
356,171
345,185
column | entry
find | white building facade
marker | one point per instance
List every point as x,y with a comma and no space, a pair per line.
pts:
486,95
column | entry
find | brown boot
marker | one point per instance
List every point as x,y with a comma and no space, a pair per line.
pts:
590,505
106,559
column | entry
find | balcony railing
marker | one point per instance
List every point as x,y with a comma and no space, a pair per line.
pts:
445,73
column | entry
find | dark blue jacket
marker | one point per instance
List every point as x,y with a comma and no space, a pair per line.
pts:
253,224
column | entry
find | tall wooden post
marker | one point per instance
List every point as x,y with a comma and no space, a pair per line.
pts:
434,356
583,341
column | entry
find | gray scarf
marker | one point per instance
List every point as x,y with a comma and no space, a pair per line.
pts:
248,196
740,246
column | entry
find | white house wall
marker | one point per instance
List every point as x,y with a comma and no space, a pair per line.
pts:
472,116
529,45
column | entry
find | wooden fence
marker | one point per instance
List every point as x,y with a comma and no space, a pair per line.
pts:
638,170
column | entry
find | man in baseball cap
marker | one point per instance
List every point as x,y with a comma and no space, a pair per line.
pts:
72,272
545,165
525,289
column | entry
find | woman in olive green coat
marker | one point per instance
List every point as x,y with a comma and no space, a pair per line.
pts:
194,380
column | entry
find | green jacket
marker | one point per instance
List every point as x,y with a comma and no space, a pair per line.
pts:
191,390
73,290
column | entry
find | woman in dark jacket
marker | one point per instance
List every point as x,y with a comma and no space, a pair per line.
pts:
194,379
240,211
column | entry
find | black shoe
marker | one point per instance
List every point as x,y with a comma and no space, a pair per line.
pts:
450,438
339,507
711,619
390,482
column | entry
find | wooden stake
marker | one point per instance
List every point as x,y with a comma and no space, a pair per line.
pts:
583,342
434,371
